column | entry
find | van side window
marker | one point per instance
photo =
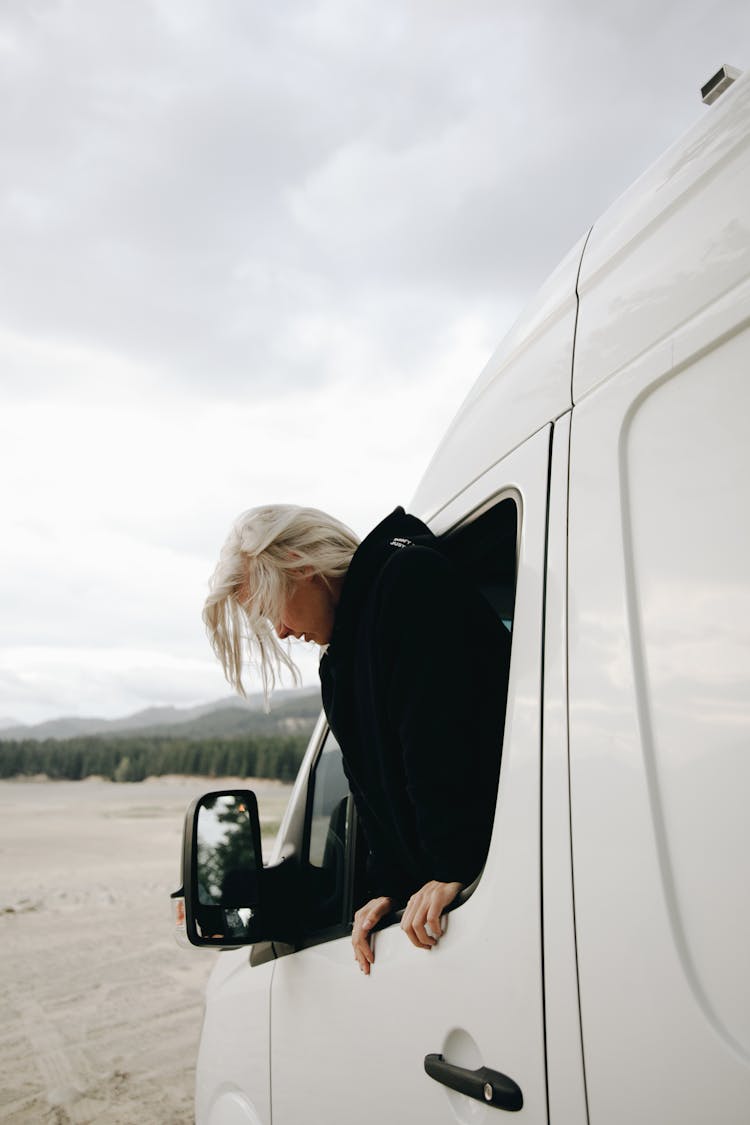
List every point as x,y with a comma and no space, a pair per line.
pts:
328,833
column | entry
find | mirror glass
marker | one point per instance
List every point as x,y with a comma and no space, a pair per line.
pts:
227,869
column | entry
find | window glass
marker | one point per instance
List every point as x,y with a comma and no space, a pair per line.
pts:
328,837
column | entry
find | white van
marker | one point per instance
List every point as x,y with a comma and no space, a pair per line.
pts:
599,969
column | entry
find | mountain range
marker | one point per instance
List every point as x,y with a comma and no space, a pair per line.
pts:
292,711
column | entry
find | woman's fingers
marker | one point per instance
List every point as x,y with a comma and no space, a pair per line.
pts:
421,921
365,919
414,920
362,951
415,916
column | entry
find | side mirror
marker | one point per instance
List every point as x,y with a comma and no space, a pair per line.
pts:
221,867
230,899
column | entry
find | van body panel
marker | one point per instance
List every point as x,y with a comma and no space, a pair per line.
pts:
660,727
525,385
233,1071
669,248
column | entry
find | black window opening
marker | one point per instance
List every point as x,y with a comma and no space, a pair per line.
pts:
485,548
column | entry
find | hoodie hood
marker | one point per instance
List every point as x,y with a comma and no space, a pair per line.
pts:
394,533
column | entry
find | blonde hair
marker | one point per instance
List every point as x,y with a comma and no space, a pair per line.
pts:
265,548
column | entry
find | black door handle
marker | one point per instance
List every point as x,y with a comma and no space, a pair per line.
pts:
488,1086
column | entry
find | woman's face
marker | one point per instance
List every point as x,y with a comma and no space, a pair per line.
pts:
309,610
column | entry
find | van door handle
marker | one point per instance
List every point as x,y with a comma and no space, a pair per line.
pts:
488,1086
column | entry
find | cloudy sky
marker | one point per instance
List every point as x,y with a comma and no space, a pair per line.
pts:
257,251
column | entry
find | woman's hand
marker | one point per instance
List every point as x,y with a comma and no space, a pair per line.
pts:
365,919
424,909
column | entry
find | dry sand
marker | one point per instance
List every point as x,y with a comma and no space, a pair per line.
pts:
101,1009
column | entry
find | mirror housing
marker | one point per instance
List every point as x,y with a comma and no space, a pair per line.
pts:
230,898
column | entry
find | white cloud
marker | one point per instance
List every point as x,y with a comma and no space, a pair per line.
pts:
117,514
256,252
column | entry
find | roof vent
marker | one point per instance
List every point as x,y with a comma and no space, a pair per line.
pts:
720,82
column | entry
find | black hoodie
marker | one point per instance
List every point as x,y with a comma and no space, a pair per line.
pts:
414,685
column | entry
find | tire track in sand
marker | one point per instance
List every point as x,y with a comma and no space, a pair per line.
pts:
64,1082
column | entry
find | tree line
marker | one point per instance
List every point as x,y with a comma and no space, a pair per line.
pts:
132,758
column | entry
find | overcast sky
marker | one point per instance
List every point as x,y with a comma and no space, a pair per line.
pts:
258,252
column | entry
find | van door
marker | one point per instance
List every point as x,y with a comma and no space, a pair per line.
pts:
347,1047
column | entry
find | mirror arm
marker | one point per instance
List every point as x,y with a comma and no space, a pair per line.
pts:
282,901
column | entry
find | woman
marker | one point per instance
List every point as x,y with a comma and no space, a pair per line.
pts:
414,677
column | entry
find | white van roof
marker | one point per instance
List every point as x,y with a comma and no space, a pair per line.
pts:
672,246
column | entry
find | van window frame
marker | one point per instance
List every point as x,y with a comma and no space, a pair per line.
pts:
354,841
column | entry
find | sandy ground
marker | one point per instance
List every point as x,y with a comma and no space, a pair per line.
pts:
101,1009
